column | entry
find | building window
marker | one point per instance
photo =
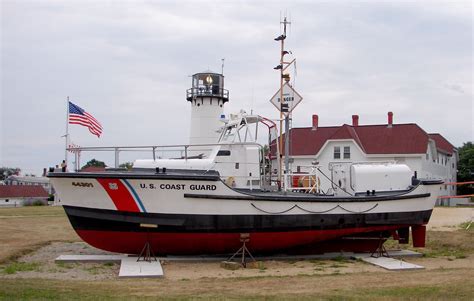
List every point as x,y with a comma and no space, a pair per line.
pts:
347,152
337,152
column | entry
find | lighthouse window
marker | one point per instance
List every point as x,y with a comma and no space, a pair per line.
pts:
337,152
347,152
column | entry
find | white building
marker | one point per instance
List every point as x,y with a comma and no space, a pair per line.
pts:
20,195
335,148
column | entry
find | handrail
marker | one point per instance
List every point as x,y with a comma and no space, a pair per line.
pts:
154,148
312,177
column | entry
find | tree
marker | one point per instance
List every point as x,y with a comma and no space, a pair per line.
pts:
126,165
5,172
466,168
94,163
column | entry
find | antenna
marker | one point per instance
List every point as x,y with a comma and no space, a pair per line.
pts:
222,66
251,100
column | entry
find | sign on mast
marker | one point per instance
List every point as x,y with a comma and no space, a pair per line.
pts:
291,99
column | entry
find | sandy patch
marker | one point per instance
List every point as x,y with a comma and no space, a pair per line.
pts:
449,219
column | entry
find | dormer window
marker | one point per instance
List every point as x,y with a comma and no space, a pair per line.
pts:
337,152
347,152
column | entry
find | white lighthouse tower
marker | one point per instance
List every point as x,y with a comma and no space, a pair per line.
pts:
207,96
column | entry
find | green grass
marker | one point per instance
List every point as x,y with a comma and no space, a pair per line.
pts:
32,211
226,289
318,261
464,226
339,259
15,267
439,248
65,265
447,292
337,265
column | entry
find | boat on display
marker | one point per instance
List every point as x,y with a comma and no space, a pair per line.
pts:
221,187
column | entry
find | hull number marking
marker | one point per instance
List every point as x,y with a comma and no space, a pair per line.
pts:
178,186
82,184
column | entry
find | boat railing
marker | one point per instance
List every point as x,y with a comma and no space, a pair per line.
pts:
308,182
177,151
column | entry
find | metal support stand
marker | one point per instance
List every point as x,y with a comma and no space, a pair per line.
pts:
244,238
380,251
147,253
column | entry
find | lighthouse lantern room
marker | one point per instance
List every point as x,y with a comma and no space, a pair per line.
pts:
207,96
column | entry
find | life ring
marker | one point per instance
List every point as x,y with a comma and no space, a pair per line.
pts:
230,181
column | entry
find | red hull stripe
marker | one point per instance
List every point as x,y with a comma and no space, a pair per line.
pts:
119,194
214,243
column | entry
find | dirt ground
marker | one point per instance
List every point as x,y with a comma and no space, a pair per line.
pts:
448,218
30,240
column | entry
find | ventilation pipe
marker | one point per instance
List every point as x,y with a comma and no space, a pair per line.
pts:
390,119
315,122
355,120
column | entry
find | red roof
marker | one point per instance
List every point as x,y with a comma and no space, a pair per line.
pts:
372,139
305,141
397,139
22,191
442,144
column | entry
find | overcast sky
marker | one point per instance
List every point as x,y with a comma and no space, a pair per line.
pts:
128,63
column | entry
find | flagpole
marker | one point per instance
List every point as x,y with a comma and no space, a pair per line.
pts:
67,130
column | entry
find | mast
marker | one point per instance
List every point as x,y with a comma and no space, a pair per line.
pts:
67,130
282,38
285,100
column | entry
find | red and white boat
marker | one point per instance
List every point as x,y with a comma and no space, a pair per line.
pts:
221,185
201,205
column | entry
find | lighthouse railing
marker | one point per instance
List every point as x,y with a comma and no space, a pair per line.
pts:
207,90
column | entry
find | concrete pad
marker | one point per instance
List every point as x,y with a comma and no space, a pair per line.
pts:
130,267
392,264
90,258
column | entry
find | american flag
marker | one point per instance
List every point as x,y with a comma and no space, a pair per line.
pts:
77,115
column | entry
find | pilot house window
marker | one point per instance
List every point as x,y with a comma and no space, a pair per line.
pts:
337,152
347,152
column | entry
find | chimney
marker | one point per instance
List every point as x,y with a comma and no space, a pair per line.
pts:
390,119
44,172
315,122
355,120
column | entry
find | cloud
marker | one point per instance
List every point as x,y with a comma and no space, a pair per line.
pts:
128,63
